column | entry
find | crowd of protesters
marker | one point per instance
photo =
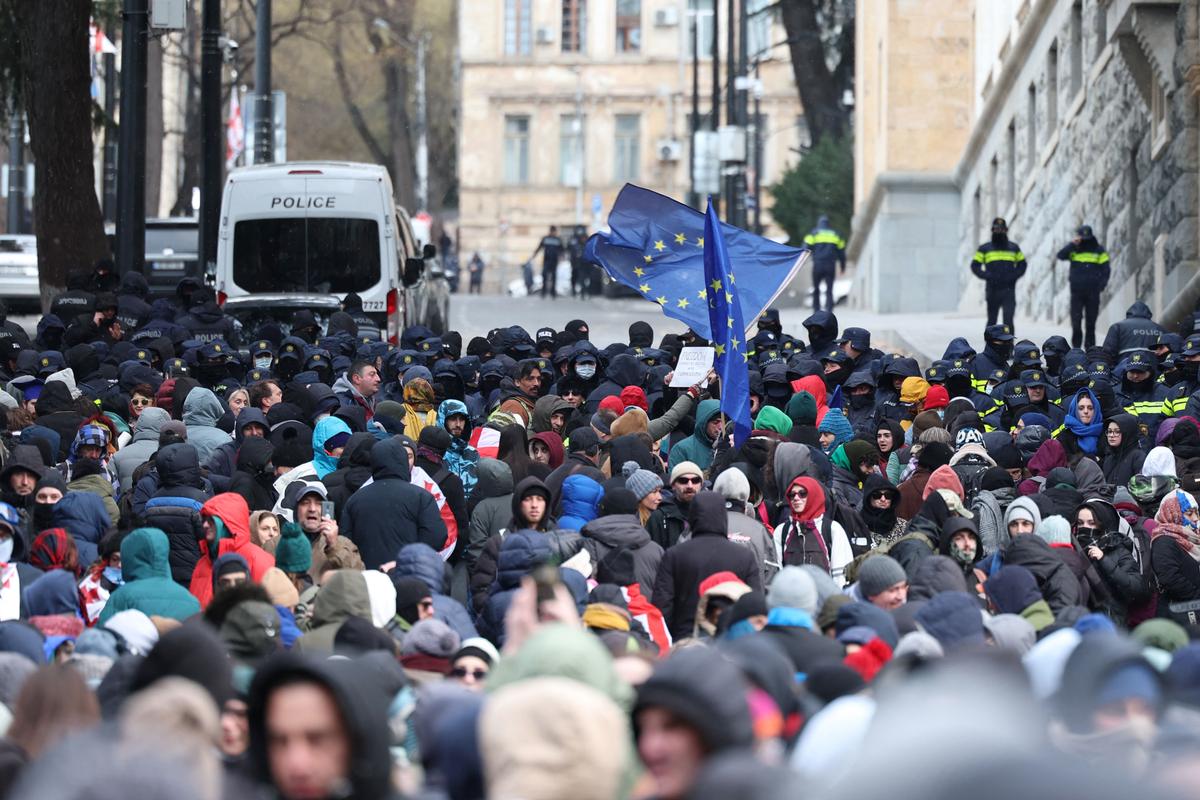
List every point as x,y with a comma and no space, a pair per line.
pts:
303,562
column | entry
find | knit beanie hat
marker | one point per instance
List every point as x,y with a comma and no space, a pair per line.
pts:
829,610
640,481
431,637
934,455
937,397
1007,456
619,500
792,587
733,485
409,594
686,468
293,551
280,588
879,573
1054,529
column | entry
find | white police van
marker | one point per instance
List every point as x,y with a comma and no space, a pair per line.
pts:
305,234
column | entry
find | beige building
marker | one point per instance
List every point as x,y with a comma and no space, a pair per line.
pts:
1049,113
565,101
912,119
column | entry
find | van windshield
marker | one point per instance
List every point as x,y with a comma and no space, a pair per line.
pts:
315,255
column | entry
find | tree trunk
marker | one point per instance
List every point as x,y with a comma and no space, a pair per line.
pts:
819,92
56,88
400,133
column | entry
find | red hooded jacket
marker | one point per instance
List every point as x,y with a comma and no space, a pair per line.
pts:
232,510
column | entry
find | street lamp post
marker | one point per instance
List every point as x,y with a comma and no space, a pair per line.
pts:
211,152
131,174
264,120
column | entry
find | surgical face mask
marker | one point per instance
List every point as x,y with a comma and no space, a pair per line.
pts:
113,575
6,549
585,371
263,362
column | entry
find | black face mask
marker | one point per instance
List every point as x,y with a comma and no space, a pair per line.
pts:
1053,362
1188,369
43,516
210,374
861,401
1002,349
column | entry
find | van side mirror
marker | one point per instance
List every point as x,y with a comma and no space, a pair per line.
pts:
413,269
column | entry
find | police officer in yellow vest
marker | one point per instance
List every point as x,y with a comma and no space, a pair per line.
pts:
1087,278
999,263
828,251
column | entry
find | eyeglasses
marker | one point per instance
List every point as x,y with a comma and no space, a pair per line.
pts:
139,401
1113,432
797,493
462,672
689,480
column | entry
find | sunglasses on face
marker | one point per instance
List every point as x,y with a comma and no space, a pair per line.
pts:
688,481
462,672
797,493
139,401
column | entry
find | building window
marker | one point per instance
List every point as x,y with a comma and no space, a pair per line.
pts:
1052,90
1076,48
518,28
758,28
700,27
629,26
627,148
516,149
1031,128
574,25
570,150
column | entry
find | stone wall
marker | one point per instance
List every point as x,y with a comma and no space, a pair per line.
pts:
1094,159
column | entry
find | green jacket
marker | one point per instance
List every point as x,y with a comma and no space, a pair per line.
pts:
1039,615
148,586
697,448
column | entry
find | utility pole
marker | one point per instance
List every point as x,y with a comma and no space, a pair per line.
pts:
743,109
211,139
715,112
693,195
109,174
16,171
131,173
758,146
422,166
264,120
729,181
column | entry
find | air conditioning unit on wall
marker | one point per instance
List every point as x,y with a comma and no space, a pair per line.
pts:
669,149
666,17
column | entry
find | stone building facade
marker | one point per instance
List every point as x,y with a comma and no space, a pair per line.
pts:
1081,112
528,67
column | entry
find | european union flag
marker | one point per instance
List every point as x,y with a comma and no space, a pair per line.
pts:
657,248
725,320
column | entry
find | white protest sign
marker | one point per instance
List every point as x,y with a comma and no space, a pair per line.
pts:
693,366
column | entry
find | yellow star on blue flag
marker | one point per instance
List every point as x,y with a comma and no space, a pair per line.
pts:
649,227
731,352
